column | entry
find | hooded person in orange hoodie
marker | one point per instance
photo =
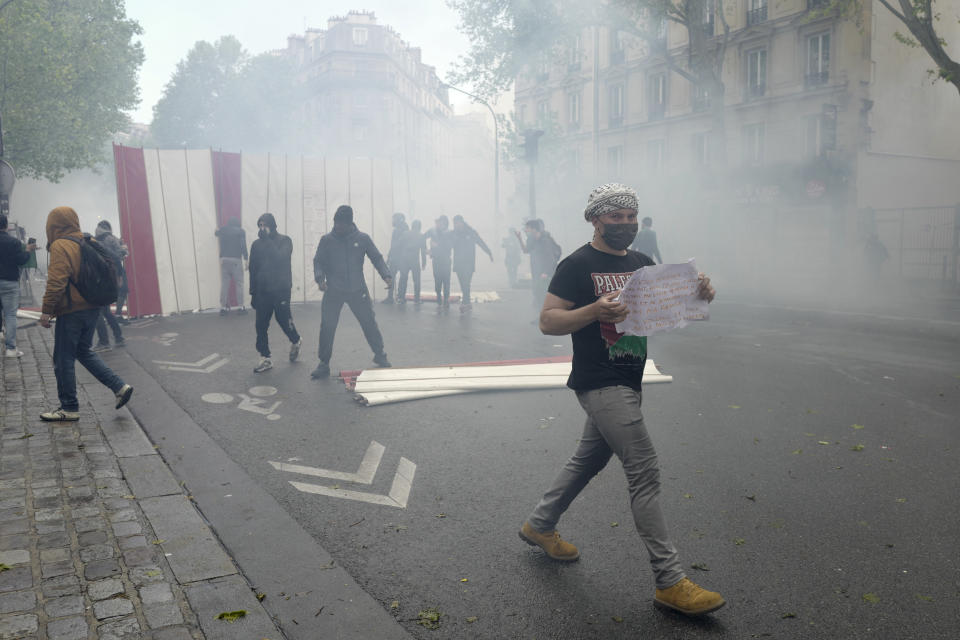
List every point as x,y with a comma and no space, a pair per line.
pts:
76,319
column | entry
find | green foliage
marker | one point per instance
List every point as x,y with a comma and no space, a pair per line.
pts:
221,97
68,73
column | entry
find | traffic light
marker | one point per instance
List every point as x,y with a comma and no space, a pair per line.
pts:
530,145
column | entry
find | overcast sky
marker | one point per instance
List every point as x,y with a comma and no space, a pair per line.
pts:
172,27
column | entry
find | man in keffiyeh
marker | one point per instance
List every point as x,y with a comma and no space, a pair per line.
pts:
606,376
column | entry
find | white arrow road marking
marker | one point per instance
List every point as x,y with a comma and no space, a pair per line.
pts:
195,367
399,490
364,475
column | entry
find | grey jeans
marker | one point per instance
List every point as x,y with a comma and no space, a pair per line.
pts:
231,268
615,426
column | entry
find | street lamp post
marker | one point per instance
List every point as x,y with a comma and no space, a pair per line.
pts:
496,149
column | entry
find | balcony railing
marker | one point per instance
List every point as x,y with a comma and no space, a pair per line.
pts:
817,79
756,90
756,16
617,56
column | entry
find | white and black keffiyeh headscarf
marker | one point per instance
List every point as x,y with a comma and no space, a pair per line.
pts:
610,197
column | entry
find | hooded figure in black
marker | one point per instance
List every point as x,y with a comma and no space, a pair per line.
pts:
440,239
338,271
400,230
465,241
271,280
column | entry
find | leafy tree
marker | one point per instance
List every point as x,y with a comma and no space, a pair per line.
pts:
509,37
68,73
921,18
221,97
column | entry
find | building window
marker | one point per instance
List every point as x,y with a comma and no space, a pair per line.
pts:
360,36
656,156
616,105
615,161
756,12
701,149
700,100
753,144
818,60
661,33
574,54
658,96
707,22
813,147
573,110
756,73
617,48
542,111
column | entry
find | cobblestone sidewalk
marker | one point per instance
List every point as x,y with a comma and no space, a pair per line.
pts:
78,557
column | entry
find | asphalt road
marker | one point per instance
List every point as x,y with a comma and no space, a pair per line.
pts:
808,462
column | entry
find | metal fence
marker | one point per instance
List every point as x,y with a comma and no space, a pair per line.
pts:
922,242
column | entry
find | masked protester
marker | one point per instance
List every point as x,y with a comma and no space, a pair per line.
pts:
338,271
76,319
13,256
465,243
271,281
606,376
646,242
394,258
440,241
544,255
413,258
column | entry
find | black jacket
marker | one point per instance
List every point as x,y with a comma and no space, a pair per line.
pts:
339,260
270,272
12,257
465,243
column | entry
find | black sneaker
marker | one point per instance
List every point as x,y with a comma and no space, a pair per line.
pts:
120,342
100,348
224,311
381,360
322,371
242,311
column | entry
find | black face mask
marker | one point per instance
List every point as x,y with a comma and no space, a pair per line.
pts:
619,236
263,233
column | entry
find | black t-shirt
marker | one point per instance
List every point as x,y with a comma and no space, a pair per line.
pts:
581,278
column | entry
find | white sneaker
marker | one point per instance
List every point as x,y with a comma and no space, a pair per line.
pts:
13,353
295,350
265,365
59,415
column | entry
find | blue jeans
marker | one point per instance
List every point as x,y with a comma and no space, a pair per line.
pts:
10,300
72,339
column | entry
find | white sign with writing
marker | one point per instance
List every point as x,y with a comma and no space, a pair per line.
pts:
660,298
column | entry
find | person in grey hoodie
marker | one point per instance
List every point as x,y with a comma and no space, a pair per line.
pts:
338,271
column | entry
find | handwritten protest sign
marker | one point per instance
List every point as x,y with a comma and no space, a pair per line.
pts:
660,298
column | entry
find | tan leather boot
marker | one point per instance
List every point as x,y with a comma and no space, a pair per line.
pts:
689,598
551,543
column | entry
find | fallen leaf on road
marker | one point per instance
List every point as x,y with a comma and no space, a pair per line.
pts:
739,541
857,447
3,567
153,573
25,436
232,616
616,619
472,619
614,524
158,541
464,580
856,426
789,614
901,500
822,442
920,596
872,598
700,566
797,452
429,618
751,498
440,515
733,406
260,596
395,604
688,496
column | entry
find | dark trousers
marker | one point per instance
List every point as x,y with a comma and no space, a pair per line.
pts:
464,277
362,308
441,280
394,271
122,298
268,305
102,336
72,338
405,273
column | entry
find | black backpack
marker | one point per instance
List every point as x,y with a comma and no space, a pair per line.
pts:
97,278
